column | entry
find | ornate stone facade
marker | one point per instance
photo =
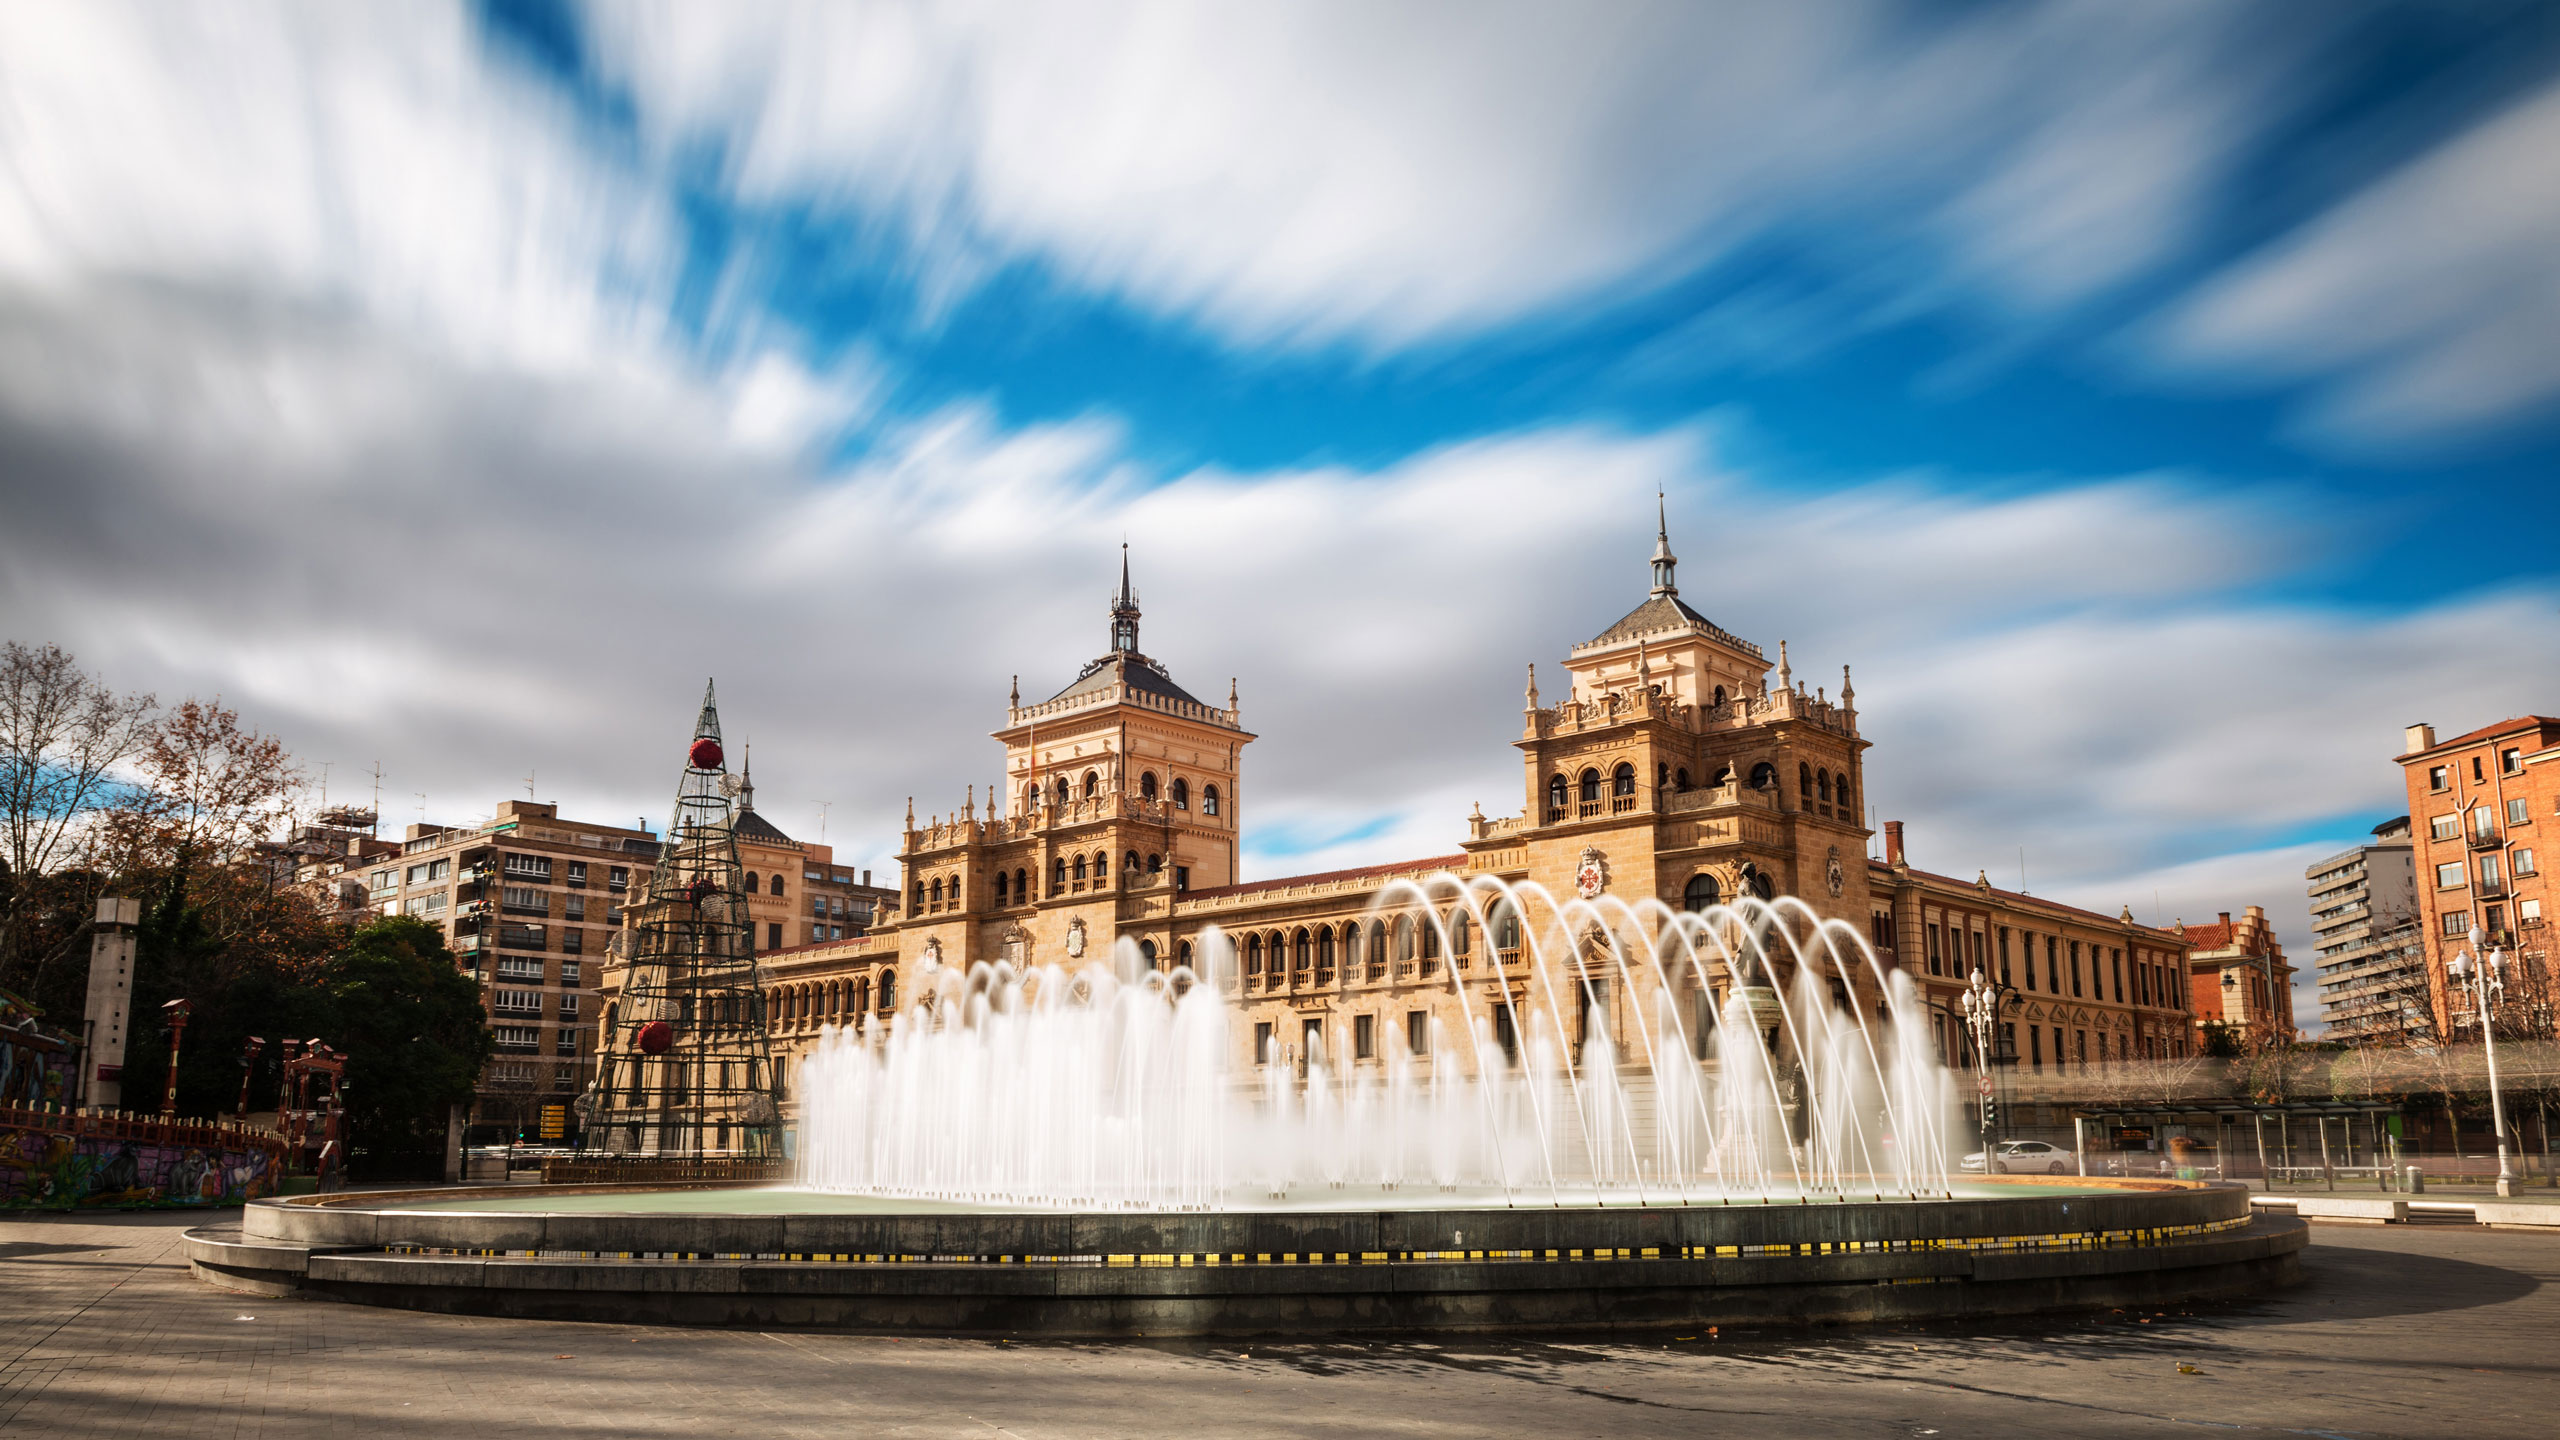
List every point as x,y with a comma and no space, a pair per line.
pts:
1679,765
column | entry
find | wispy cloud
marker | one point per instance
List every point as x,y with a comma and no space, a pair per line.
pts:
1320,173
2423,308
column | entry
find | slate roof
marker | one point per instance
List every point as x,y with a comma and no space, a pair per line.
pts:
752,826
1667,612
1122,668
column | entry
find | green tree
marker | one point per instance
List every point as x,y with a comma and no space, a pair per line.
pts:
410,1023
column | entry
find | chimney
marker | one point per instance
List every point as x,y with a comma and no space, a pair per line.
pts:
2226,919
866,877
2417,738
1893,842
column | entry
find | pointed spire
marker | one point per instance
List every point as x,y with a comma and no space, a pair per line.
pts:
1124,610
1664,562
1786,672
1532,699
1848,694
747,778
1231,695
1017,692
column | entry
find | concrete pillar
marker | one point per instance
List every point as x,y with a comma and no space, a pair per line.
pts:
109,1013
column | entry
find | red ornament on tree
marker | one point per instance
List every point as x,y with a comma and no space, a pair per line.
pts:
705,754
656,1037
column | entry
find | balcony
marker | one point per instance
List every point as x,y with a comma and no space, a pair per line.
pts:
2488,886
2487,837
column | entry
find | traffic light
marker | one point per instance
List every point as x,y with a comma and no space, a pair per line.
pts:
1990,1113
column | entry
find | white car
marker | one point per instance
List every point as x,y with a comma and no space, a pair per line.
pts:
2023,1157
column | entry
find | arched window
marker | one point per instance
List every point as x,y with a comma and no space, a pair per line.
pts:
1461,937
1662,777
888,989
1377,948
1000,888
1804,785
751,882
1057,874
1404,937
1253,955
1622,781
1700,892
1129,864
1066,792
1840,795
1764,776
1556,789
1181,794
1428,935
1590,787
861,993
1505,923
1351,948
1021,888
1147,786
1305,951
1822,786
1092,784
1680,779
1719,700
1208,799
1030,799
1722,777
1324,948
937,889
1147,952
1182,954
776,885
1155,864
919,894
1102,867
1079,869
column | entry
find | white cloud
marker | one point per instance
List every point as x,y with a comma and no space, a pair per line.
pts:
1388,175
2424,306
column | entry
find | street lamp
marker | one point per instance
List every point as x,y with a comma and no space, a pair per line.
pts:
1980,1001
2482,981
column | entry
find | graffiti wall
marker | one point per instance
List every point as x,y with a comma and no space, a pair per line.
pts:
56,1161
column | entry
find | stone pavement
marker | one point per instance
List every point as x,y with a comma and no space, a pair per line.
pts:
2406,1331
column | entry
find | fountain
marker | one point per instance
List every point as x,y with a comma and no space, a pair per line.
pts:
1619,1115
1111,1086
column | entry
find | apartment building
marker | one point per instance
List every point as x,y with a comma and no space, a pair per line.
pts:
528,902
2483,806
2364,927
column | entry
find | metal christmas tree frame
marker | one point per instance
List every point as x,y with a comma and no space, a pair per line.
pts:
683,1070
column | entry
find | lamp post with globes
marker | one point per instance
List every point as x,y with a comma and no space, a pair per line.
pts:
2481,980
1980,1002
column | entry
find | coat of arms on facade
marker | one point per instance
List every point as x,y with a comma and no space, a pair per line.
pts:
1833,876
1017,947
1592,875
1075,938
932,953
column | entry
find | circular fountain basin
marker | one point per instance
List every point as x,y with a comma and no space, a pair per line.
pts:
1339,1263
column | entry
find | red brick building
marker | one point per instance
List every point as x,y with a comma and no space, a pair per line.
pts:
2477,804
2237,976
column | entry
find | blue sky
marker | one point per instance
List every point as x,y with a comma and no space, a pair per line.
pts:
2155,404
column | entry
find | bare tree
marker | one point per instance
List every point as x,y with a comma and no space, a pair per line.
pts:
63,738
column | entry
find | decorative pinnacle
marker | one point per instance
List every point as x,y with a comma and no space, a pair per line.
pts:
1664,562
1124,610
1786,672
1533,685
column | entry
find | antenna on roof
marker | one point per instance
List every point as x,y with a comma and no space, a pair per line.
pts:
2022,869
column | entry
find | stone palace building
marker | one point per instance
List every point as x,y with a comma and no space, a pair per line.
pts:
1676,762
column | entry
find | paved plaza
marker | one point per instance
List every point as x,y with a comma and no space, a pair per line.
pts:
2425,1330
